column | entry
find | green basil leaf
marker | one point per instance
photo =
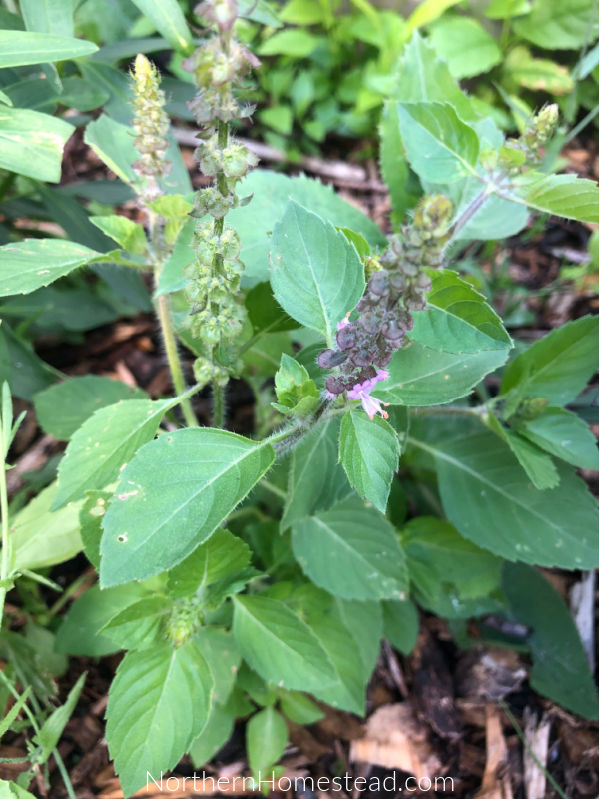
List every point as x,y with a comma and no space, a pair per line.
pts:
163,689
159,516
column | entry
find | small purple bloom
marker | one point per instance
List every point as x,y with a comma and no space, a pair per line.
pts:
343,322
362,391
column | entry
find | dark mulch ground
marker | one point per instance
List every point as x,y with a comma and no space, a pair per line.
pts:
437,712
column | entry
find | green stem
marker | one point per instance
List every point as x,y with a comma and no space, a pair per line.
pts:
68,592
163,312
468,411
5,564
273,489
7,431
164,317
218,419
527,746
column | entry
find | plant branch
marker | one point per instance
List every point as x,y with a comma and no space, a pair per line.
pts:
218,420
164,317
163,312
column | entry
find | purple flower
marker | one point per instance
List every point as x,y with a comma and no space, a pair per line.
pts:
362,391
343,322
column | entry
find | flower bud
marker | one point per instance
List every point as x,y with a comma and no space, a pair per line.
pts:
329,359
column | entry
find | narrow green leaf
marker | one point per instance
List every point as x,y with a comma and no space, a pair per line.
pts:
53,727
64,407
105,442
557,367
484,495
420,376
18,48
14,711
457,318
440,147
158,517
369,453
278,645
168,19
563,434
316,274
32,143
352,552
560,669
266,738
158,703
48,16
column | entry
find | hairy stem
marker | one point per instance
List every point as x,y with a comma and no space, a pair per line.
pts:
164,317
218,420
163,312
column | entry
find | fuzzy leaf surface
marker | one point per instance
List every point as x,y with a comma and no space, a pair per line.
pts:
278,645
266,738
457,318
560,667
316,274
352,552
369,453
564,195
558,366
20,48
63,408
159,702
32,143
485,496
168,19
106,441
563,434
159,516
316,480
439,146
420,376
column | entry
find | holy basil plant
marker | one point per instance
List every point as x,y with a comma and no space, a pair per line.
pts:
255,576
